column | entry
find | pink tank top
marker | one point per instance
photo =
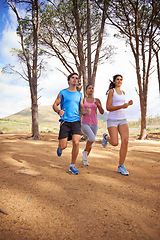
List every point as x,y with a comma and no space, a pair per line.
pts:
92,117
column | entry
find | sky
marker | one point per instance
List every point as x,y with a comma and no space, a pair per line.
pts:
15,92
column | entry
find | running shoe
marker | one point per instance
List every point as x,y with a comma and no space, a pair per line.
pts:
84,158
85,162
123,171
104,140
73,170
59,152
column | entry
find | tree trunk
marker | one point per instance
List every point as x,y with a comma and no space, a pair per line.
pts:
158,66
80,44
142,93
99,45
89,41
143,133
35,23
35,125
143,103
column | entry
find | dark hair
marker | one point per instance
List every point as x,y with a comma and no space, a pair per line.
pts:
68,78
112,84
89,85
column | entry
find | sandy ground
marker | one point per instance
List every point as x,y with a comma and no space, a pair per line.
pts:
39,199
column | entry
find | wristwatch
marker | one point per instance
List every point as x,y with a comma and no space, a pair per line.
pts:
58,112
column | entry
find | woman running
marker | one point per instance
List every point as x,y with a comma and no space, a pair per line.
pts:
117,122
90,122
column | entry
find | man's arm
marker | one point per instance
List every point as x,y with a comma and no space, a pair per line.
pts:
56,104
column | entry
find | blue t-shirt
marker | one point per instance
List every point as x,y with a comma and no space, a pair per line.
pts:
70,101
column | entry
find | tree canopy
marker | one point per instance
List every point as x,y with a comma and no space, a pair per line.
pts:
65,36
138,23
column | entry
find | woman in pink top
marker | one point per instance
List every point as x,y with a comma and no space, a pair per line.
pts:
90,122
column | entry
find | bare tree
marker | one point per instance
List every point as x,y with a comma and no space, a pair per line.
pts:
28,30
136,22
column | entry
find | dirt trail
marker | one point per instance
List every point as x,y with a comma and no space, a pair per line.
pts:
39,199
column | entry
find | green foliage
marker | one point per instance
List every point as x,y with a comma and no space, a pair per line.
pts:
5,128
60,35
126,16
7,69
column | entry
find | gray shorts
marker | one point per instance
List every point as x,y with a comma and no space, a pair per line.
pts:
116,123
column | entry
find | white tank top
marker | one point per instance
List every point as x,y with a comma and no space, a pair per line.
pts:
116,101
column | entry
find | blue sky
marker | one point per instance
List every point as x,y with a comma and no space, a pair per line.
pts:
15,94
3,10
3,16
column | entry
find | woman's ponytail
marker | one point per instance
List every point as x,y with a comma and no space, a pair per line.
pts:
112,84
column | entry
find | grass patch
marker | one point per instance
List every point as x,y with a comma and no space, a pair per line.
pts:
49,122
15,126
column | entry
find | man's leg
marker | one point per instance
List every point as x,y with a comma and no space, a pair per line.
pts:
75,148
63,137
76,136
63,143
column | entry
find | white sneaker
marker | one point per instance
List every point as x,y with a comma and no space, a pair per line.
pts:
84,158
85,163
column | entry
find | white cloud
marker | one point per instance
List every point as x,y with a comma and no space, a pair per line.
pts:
13,99
9,38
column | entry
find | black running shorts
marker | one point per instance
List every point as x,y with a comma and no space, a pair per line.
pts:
67,129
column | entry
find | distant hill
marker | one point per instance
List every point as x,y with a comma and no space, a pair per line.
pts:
48,121
46,115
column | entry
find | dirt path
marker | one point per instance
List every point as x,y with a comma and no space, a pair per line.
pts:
39,199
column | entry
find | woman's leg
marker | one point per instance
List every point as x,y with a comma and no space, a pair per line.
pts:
88,146
124,134
90,131
91,137
113,136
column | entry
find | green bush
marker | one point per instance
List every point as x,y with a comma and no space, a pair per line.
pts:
5,128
